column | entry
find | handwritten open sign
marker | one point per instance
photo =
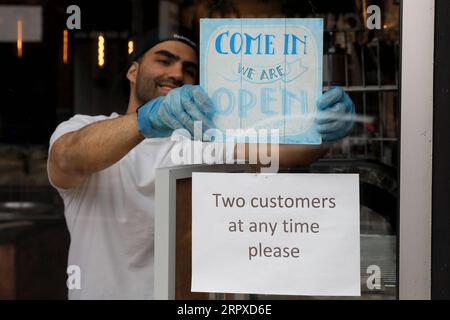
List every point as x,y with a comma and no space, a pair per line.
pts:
264,74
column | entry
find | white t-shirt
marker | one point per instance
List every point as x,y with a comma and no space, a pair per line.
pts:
110,218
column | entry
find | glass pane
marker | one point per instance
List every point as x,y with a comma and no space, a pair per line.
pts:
365,63
53,73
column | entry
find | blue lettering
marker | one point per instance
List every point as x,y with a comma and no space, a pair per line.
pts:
219,43
269,43
256,45
233,43
247,100
245,42
264,76
266,99
296,39
286,101
248,43
216,97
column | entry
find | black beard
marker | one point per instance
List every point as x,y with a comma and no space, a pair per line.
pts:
146,87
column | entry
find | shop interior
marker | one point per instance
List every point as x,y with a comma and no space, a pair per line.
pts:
51,73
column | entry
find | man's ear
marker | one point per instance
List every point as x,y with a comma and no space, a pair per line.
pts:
132,72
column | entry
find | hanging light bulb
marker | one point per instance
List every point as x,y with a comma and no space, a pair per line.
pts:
19,38
101,51
65,46
130,47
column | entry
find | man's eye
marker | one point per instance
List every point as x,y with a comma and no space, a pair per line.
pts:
191,73
164,62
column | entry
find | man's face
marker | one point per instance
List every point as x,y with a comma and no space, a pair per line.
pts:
168,65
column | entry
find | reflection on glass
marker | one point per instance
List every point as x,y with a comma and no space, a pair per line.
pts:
365,63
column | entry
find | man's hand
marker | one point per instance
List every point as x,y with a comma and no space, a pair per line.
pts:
335,115
177,110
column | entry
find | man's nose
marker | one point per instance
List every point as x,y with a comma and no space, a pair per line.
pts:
176,72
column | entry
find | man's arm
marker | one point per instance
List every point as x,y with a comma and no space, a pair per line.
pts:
292,156
76,155
334,120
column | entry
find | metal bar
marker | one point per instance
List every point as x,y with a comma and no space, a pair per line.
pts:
378,62
363,79
368,88
363,9
346,59
374,139
396,44
381,114
365,129
359,30
380,102
330,60
363,67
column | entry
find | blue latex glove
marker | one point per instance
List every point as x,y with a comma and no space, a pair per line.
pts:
177,110
335,115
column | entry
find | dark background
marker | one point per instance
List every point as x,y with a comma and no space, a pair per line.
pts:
441,156
38,91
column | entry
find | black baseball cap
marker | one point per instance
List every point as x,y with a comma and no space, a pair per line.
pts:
146,41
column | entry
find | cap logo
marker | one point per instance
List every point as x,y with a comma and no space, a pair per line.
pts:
179,37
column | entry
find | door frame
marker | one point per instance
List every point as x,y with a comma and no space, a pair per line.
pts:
440,268
416,148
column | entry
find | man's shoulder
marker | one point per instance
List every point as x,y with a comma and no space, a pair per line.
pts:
77,122
80,120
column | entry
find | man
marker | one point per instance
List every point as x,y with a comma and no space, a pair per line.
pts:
104,167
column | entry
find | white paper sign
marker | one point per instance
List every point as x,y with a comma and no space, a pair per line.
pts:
291,234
